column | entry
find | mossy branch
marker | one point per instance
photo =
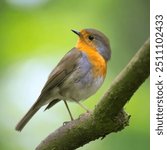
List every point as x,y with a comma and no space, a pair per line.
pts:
108,116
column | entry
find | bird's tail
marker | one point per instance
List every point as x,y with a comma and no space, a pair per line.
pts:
27,117
37,105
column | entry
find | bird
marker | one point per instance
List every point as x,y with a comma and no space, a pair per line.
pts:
78,75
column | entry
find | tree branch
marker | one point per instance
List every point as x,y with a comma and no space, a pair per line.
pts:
108,116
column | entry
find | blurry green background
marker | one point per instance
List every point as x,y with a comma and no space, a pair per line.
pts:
34,36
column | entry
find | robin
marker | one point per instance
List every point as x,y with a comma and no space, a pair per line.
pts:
78,75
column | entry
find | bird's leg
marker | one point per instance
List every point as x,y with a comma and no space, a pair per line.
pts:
85,108
68,110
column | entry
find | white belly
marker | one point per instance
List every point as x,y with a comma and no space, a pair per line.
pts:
81,90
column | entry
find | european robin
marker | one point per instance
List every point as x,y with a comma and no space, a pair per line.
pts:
78,75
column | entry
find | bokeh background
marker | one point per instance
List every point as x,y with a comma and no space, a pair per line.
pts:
34,36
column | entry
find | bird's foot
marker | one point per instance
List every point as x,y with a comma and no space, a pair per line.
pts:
66,122
88,112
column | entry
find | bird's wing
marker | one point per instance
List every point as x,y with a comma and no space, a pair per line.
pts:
63,70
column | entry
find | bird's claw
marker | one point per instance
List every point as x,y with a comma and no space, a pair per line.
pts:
65,123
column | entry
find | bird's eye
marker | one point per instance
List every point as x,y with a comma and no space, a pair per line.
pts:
90,37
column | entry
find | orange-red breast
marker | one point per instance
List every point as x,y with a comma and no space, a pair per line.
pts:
78,75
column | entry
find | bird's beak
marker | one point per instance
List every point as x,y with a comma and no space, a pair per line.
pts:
76,32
